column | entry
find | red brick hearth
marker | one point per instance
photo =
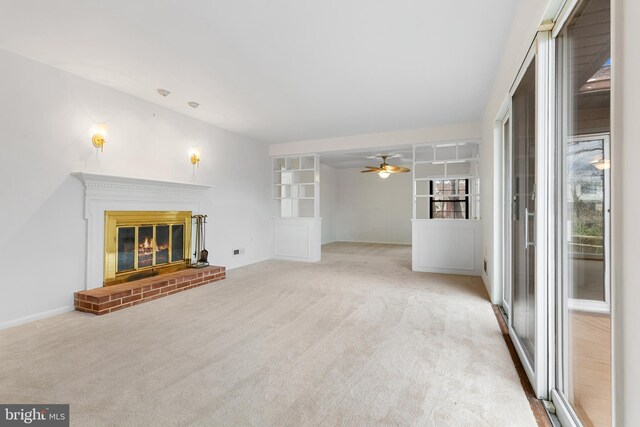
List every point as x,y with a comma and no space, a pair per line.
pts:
111,298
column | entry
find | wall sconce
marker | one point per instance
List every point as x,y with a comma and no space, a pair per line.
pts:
195,157
98,135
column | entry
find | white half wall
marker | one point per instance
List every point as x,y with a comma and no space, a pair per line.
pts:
328,202
47,115
297,239
447,246
371,209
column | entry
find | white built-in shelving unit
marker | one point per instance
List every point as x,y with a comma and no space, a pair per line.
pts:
296,207
296,187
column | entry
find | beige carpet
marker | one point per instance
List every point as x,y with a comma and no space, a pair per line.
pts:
355,340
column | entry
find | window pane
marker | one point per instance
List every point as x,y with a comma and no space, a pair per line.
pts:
462,186
446,204
444,187
585,211
584,69
449,209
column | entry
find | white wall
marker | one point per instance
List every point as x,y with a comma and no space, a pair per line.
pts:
625,150
371,209
45,122
328,202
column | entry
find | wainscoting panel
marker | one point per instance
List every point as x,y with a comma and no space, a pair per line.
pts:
447,246
297,239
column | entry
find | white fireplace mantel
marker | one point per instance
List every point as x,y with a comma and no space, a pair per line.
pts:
116,193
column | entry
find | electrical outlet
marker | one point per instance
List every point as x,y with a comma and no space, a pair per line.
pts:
238,251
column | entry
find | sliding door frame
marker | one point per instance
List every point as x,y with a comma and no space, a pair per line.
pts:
503,270
559,330
538,373
543,375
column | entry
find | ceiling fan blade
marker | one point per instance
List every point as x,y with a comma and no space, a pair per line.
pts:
372,167
371,170
397,169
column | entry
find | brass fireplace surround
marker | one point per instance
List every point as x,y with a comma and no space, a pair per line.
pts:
117,220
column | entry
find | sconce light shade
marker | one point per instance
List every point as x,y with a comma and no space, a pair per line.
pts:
195,157
98,135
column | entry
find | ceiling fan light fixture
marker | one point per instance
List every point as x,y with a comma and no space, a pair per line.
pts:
385,169
601,164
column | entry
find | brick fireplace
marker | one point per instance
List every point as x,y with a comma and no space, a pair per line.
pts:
154,220
112,298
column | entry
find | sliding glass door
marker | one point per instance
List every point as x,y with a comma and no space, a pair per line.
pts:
582,390
555,177
525,226
523,212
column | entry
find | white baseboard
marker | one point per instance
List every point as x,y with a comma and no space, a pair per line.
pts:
446,271
487,286
296,259
248,263
375,243
34,317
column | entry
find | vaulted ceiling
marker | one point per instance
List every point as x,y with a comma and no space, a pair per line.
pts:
278,70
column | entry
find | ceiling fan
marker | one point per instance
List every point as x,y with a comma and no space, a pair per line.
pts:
385,169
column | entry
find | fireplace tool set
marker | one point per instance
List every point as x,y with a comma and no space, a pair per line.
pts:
200,254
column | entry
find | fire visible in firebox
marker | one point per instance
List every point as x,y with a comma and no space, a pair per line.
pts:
145,246
145,243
